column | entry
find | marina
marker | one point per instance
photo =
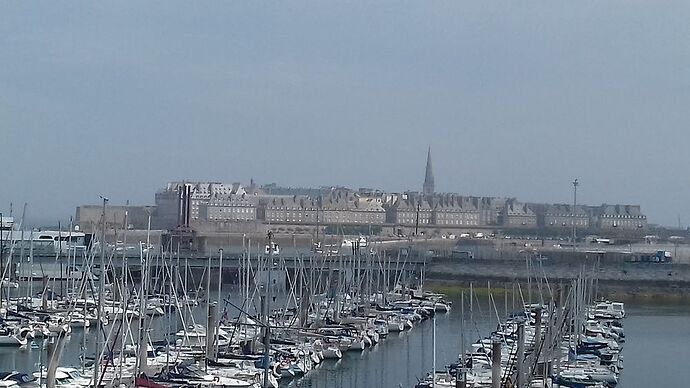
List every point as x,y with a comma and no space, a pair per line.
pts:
202,338
526,350
403,358
344,195
167,326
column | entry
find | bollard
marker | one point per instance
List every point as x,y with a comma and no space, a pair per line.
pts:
496,363
520,358
52,366
461,378
211,331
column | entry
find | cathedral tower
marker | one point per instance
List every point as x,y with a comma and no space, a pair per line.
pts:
428,188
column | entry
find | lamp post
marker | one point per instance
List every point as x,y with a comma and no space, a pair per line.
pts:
575,184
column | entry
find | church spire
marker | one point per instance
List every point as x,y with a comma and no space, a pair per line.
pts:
428,188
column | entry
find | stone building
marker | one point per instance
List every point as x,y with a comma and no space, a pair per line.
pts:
405,209
338,207
235,208
345,207
516,215
490,210
443,211
451,210
368,211
180,203
561,216
284,209
192,206
205,192
620,219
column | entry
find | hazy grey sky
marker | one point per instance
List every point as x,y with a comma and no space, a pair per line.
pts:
515,98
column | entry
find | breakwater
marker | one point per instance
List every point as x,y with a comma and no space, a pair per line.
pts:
621,279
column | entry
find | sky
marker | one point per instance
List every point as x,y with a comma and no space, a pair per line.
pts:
515,99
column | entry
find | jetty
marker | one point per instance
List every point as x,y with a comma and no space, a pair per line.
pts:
564,339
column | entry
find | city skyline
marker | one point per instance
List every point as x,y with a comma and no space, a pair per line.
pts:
428,179
514,101
232,193
427,190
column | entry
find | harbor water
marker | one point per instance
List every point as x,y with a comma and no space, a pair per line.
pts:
655,353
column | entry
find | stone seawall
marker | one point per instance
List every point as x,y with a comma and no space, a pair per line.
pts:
634,279
501,249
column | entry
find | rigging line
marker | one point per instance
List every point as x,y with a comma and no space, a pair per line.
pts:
546,279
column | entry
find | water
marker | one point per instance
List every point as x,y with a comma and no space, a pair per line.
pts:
399,360
655,354
657,346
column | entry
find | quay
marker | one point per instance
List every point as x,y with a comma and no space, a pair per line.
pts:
616,280
196,266
445,262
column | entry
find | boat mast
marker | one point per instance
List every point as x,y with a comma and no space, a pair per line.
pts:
216,333
240,269
267,320
142,300
248,272
318,203
69,259
7,271
433,339
2,257
30,297
124,294
101,290
460,374
21,237
59,257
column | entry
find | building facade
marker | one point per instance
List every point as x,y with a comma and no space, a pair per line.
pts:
410,209
339,207
233,209
189,204
181,203
451,210
516,215
295,209
620,219
562,216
